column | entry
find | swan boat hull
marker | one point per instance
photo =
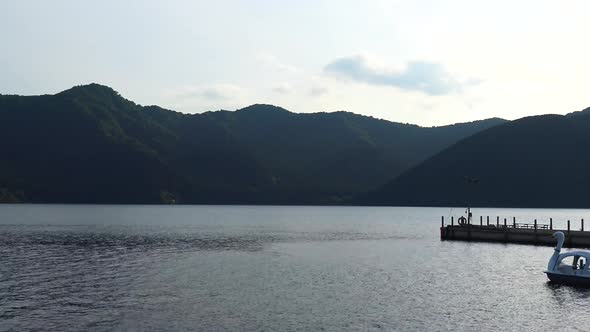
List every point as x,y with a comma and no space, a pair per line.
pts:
571,280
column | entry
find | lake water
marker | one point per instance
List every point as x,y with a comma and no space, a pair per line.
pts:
242,268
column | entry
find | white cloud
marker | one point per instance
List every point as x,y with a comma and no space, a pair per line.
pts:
200,98
283,88
428,77
215,92
317,91
273,62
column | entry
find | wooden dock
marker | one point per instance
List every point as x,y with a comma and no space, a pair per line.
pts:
513,232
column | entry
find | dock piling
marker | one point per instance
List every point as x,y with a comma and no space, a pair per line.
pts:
481,220
582,229
513,222
535,224
442,221
497,221
488,220
551,224
452,221
504,222
568,226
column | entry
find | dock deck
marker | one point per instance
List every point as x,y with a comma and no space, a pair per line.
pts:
522,233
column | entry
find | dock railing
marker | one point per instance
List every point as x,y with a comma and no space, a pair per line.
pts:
532,226
505,224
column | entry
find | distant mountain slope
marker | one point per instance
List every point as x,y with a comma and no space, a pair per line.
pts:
540,161
90,145
336,152
80,146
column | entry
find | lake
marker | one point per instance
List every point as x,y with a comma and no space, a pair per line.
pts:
255,268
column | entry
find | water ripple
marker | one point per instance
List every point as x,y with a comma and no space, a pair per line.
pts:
287,269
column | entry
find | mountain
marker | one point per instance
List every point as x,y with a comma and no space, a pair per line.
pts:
80,146
539,161
88,144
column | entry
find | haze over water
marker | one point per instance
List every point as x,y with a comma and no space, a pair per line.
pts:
272,268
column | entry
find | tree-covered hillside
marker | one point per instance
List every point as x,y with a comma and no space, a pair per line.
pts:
539,161
90,145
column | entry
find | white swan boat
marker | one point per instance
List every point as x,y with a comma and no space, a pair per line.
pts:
568,268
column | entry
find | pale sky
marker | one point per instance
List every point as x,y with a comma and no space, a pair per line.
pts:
417,61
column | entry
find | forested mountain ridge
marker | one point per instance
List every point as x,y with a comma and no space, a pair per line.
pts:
90,145
537,161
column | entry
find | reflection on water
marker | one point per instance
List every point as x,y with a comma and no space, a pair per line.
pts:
31,238
568,295
268,268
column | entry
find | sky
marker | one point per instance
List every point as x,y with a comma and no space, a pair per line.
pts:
425,62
